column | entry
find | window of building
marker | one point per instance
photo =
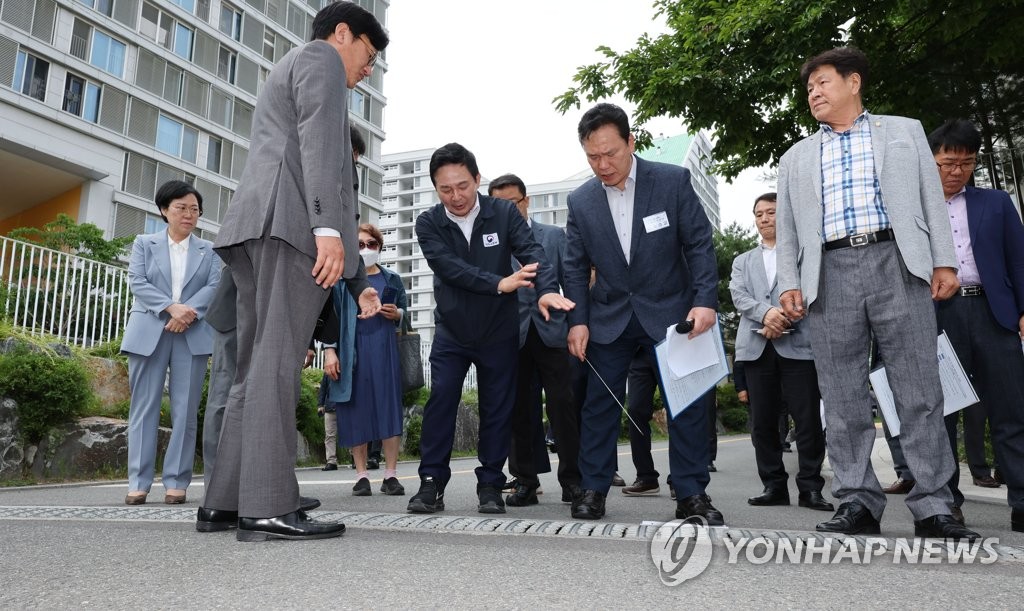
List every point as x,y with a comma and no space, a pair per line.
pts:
183,41
107,53
102,6
213,148
81,98
269,40
176,138
188,5
30,75
230,21
163,29
226,63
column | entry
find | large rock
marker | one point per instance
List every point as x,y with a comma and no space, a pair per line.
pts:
108,379
467,428
12,453
87,446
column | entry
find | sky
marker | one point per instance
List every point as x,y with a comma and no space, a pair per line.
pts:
484,72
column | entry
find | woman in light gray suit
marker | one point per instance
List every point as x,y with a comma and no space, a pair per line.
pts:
173,277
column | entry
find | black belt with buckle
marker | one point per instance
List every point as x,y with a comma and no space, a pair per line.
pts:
975,290
861,239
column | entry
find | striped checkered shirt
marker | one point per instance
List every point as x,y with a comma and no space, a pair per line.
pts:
850,193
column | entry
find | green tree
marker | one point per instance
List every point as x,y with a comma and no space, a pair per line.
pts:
85,240
733,67
733,241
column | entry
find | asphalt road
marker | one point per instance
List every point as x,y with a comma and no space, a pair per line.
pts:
79,546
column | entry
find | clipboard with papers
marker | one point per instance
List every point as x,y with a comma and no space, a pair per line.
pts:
690,367
957,391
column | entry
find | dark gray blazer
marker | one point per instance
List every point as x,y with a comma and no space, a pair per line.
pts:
286,190
552,332
671,270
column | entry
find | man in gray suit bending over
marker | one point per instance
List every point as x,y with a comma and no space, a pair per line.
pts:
864,245
281,240
642,228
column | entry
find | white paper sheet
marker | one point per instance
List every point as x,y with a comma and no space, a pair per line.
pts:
957,391
682,391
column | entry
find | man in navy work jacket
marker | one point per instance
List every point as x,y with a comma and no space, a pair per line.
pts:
468,241
642,228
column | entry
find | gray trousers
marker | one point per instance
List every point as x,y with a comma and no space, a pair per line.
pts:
278,304
868,290
222,375
146,375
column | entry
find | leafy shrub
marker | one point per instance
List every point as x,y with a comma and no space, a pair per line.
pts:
309,423
412,435
49,390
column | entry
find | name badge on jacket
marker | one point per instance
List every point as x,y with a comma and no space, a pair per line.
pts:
490,239
655,222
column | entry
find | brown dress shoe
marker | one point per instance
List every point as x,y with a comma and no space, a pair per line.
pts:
174,497
986,481
136,498
900,486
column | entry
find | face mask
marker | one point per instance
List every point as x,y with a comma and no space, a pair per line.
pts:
369,256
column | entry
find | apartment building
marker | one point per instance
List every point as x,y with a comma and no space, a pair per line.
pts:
101,101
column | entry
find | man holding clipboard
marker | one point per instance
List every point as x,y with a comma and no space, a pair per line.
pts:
642,228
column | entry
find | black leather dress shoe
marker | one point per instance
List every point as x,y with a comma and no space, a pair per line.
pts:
851,519
813,499
524,495
307,503
900,486
294,526
1017,521
590,506
770,496
330,467
692,508
215,520
618,481
943,527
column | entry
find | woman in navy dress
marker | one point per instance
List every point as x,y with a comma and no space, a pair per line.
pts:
367,394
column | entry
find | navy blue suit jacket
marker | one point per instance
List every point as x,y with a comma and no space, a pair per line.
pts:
671,269
997,239
469,309
552,332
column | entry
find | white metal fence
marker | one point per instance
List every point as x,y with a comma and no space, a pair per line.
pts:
81,301
78,300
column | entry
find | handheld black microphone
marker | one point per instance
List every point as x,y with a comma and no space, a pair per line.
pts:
684,327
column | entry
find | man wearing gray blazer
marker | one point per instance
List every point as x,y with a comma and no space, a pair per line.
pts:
543,355
779,370
864,245
640,226
282,239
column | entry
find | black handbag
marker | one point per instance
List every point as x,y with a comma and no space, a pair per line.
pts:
409,358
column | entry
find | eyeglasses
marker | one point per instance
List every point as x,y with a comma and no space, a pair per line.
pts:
373,54
965,166
371,244
190,210
517,201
